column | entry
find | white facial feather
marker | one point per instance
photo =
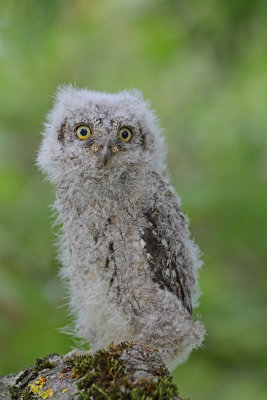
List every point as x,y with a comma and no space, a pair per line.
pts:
128,261
75,105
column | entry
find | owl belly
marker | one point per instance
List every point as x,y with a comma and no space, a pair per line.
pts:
121,263
107,269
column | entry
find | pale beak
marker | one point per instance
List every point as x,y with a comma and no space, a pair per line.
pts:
105,153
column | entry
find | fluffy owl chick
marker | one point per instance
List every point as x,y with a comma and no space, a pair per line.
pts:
128,260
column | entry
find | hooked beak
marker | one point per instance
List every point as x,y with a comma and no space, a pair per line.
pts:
104,154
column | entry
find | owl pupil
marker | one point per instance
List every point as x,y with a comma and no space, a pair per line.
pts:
83,132
124,134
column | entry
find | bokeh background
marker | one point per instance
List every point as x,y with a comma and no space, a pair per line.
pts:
203,65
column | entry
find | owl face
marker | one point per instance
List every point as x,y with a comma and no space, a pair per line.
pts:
103,143
102,137
95,134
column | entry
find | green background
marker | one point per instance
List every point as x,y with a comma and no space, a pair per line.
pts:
203,65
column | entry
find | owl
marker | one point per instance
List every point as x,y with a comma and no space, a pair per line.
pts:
128,261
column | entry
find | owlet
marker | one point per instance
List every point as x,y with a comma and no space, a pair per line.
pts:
127,256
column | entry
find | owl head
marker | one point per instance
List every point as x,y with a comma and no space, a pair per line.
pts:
96,135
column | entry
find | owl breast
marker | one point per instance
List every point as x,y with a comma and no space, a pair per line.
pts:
121,262
106,244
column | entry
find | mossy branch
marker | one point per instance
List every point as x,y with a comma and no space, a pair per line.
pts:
126,371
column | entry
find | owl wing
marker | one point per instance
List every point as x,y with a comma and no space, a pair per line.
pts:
167,245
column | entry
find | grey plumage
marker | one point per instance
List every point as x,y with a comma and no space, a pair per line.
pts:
127,256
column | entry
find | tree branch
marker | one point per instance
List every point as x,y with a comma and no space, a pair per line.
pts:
126,371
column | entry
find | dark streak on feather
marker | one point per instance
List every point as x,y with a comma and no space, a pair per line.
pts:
61,132
96,239
114,274
160,257
143,140
89,141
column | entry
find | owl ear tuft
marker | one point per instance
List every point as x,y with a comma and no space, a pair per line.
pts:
64,101
137,93
64,93
62,131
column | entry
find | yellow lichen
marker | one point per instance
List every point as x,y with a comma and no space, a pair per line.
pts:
37,388
47,394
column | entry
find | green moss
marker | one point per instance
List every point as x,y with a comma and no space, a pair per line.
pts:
26,394
103,376
13,392
42,363
18,393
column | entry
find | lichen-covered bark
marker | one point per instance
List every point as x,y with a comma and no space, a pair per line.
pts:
127,371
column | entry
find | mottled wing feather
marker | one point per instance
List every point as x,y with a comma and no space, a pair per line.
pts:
164,243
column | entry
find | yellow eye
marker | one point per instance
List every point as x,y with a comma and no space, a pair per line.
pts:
125,134
83,132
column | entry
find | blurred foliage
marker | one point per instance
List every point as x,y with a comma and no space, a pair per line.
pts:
203,66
